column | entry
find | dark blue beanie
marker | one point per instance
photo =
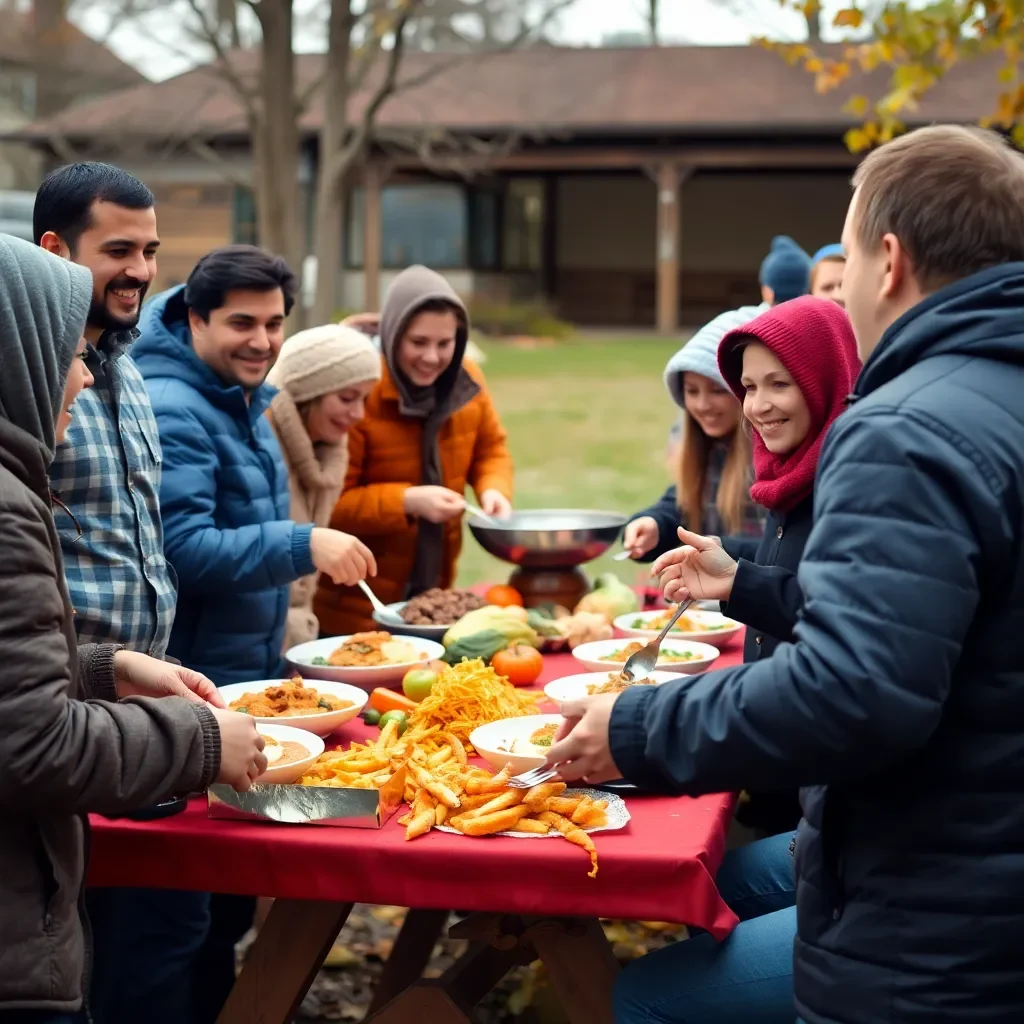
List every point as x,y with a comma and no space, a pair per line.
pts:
786,269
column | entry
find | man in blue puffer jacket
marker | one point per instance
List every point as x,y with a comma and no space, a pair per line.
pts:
205,350
901,705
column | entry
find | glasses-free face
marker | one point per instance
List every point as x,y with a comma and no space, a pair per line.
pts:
772,402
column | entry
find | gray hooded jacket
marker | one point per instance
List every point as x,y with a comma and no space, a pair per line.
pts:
67,746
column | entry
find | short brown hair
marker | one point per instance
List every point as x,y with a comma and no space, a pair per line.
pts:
953,196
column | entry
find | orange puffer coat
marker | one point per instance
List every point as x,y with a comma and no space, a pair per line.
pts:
384,461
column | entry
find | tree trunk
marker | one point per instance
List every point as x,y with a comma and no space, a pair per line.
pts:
813,19
49,32
330,220
276,138
652,21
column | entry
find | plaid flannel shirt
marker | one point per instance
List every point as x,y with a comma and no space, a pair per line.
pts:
107,473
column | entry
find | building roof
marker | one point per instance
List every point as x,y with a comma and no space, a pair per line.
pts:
678,90
81,55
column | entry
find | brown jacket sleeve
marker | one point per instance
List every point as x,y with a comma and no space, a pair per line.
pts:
63,755
368,510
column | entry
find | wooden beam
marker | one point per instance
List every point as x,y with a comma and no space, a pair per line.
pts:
669,179
372,176
626,158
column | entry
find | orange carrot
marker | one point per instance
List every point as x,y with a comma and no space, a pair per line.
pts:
383,700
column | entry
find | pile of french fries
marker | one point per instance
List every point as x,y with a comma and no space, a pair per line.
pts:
443,788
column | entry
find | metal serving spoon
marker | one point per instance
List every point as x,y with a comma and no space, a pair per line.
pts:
644,660
380,607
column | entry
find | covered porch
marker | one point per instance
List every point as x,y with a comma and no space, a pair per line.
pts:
630,236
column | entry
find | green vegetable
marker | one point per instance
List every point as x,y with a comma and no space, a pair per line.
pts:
484,644
543,624
395,716
242,711
610,598
371,716
319,661
510,622
326,705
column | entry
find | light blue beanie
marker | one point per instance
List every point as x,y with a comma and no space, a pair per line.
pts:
700,353
834,251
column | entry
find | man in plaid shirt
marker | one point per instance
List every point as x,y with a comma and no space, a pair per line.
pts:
106,478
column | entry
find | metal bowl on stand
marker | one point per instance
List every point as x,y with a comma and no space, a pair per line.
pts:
548,546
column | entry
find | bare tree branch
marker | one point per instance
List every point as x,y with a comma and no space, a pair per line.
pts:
222,65
206,152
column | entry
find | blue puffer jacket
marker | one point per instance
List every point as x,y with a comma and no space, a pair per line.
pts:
901,703
224,501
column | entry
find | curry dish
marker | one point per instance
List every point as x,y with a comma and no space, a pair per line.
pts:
616,683
684,624
287,700
664,656
365,650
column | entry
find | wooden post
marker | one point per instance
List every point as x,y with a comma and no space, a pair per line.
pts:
667,301
372,175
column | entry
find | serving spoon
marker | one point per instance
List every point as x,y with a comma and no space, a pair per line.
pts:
479,513
646,658
380,607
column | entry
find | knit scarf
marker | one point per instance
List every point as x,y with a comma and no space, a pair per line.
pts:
814,341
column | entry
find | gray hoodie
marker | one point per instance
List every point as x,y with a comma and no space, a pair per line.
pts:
61,754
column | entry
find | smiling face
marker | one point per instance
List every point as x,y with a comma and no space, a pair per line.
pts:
333,415
79,378
119,246
827,280
427,347
772,402
242,339
712,407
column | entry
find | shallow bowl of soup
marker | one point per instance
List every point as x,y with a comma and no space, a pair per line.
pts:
521,742
695,624
290,752
677,656
317,705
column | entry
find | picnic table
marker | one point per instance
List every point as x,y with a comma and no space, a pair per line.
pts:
523,899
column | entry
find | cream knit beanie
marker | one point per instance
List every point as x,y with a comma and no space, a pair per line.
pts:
316,362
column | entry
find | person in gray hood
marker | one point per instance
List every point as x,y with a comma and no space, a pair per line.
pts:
80,730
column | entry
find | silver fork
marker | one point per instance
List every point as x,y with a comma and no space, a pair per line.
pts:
646,658
532,778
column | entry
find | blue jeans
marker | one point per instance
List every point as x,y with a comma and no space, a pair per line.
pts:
746,979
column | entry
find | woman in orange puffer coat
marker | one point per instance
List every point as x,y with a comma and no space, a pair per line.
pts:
430,429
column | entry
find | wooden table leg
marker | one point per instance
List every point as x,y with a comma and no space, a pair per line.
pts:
283,961
409,956
580,965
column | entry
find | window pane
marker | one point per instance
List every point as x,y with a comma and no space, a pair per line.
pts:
485,211
245,217
419,224
524,224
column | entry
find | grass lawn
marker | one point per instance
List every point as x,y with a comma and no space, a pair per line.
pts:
588,422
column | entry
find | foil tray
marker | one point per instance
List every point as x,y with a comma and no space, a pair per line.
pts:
309,805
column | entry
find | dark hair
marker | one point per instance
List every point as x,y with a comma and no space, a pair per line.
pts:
953,196
237,268
65,198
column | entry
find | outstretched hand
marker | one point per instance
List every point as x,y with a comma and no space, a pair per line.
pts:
700,569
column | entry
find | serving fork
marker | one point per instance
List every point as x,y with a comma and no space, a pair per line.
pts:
644,660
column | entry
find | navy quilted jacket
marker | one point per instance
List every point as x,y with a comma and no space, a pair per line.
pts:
901,703
225,504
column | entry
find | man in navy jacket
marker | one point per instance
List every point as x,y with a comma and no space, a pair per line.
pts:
901,704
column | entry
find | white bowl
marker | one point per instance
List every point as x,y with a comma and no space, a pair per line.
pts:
591,655
488,738
575,687
320,724
285,773
405,629
723,632
366,678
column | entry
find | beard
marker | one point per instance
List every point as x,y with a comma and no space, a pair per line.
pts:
102,318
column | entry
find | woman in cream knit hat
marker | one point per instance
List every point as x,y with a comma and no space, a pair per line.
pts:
324,376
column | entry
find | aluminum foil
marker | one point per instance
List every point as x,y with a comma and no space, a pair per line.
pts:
309,805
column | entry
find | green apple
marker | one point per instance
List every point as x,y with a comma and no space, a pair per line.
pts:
418,682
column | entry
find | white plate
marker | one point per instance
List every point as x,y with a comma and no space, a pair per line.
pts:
616,811
366,678
488,738
725,632
427,632
285,773
591,655
575,687
322,724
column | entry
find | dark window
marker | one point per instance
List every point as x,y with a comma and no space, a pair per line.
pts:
244,217
484,229
523,236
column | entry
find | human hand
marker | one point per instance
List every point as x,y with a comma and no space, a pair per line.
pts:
581,749
641,536
368,323
435,504
495,504
340,556
139,675
699,569
242,760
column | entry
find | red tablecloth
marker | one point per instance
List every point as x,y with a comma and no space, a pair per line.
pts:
660,867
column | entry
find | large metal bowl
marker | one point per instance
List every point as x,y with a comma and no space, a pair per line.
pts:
549,538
